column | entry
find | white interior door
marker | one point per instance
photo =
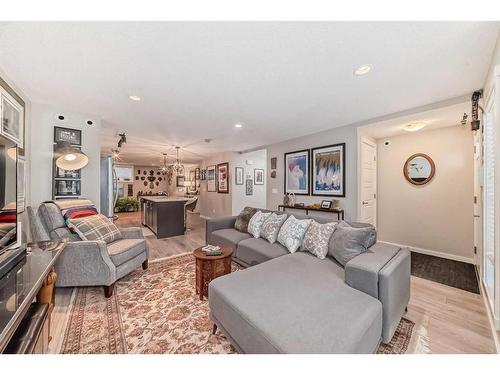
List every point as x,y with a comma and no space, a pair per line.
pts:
368,181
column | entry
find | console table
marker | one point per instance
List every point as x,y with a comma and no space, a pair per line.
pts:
31,279
339,212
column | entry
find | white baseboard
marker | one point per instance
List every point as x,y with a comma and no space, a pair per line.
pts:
205,217
434,253
491,318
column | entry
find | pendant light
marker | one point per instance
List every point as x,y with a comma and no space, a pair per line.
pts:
177,167
70,158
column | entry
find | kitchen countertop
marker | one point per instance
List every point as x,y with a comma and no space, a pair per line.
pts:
158,199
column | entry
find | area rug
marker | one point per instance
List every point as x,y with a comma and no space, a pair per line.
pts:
157,311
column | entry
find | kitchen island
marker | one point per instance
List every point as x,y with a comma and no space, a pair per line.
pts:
163,215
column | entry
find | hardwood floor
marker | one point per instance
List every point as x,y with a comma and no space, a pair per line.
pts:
450,320
165,247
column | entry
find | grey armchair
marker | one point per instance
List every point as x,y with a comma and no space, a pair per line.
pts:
88,263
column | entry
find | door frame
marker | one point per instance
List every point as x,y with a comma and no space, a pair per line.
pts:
492,98
372,142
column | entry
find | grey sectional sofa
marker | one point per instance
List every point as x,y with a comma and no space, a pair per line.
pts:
297,303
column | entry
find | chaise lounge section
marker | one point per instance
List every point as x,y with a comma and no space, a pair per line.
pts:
298,303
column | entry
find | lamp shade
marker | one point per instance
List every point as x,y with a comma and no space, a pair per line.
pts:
69,157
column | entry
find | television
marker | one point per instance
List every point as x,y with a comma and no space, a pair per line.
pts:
8,194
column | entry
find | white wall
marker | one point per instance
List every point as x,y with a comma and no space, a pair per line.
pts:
494,62
239,198
275,186
437,216
44,118
213,204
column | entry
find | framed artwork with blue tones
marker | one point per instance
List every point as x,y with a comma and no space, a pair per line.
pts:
328,170
297,172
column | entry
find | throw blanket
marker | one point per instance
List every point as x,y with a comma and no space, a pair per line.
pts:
75,208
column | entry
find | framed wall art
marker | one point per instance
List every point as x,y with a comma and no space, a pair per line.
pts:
238,175
249,186
12,109
73,136
223,178
297,172
328,170
211,181
180,181
258,177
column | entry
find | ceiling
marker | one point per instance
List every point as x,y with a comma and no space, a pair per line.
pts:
280,80
442,117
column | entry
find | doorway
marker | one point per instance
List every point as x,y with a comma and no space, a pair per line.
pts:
368,181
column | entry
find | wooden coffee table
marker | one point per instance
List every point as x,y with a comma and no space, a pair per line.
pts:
211,267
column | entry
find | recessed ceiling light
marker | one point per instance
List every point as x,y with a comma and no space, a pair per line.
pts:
362,70
135,98
415,126
238,126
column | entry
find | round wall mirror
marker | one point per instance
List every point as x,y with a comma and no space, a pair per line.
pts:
419,169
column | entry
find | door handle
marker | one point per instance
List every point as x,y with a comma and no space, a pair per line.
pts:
365,202
477,215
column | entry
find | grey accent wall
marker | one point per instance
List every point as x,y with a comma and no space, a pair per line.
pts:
213,204
42,140
275,186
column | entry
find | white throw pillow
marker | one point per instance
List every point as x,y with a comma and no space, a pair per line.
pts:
317,238
292,233
270,228
256,222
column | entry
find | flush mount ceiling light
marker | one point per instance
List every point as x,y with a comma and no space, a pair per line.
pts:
69,157
362,70
238,126
135,98
415,126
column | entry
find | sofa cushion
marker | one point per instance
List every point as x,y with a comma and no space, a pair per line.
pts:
122,251
243,219
348,242
271,227
292,233
95,228
256,222
296,303
229,237
317,238
257,250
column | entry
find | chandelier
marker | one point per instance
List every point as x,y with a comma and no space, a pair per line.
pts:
176,167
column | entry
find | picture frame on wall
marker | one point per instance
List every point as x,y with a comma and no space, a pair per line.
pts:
73,136
328,170
211,180
223,178
180,181
258,176
12,119
12,115
238,175
297,172
249,186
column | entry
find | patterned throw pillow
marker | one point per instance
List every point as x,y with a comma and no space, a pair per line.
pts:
243,219
256,222
271,227
292,233
317,238
95,228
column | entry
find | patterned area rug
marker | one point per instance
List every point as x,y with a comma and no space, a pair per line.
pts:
156,312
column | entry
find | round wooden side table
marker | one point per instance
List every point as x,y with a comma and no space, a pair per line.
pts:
209,267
